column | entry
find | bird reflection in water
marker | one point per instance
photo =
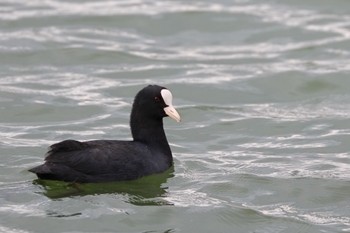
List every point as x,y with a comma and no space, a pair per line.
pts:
147,190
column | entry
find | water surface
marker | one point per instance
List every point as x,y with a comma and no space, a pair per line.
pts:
262,86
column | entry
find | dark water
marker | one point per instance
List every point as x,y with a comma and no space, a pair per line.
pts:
263,88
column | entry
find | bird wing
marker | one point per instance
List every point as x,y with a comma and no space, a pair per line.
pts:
97,157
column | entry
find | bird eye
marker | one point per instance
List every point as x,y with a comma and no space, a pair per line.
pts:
156,99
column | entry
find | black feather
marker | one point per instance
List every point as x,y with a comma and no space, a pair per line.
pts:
114,160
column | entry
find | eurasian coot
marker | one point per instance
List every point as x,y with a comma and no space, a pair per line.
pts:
115,160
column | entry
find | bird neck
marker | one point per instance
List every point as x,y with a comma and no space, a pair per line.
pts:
150,132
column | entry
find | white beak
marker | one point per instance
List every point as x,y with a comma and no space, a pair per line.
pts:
172,113
170,110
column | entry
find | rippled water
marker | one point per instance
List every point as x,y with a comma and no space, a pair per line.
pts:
263,88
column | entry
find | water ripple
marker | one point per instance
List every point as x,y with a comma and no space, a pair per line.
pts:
262,87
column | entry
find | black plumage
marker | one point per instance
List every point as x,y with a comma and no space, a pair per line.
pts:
115,160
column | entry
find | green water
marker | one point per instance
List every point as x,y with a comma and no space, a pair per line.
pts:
263,89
